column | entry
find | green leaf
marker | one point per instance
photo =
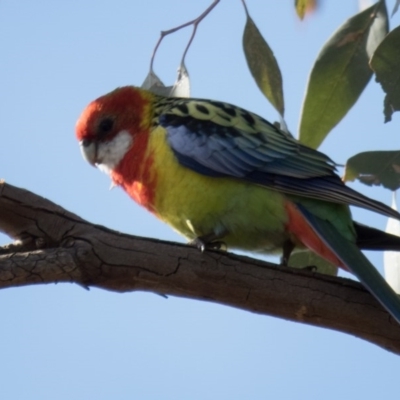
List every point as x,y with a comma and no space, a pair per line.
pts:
386,64
375,168
306,258
304,7
341,73
395,8
263,65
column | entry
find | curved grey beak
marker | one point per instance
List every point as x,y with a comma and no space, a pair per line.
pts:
89,151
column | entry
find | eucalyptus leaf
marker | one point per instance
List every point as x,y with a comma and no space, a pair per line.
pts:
395,8
341,73
263,65
181,87
375,168
386,65
155,85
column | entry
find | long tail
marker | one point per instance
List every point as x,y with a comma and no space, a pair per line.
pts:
374,239
352,259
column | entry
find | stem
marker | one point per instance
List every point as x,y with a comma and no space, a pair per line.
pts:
245,8
194,22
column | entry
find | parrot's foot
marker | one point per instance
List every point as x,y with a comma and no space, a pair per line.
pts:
287,249
311,268
218,245
208,242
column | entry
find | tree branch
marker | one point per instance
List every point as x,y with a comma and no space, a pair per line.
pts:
55,245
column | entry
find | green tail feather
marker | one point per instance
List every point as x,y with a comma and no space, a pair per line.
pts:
356,262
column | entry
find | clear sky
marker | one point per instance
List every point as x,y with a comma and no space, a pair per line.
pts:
63,342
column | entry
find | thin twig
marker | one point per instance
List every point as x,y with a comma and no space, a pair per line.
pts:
245,8
194,22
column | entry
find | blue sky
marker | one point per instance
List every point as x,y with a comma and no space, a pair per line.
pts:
60,341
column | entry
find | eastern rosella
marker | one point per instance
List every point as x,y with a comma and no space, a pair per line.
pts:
216,172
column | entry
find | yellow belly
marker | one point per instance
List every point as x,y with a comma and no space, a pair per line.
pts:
251,217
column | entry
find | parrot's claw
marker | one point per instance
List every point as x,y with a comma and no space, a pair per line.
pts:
311,268
218,245
287,249
199,243
206,243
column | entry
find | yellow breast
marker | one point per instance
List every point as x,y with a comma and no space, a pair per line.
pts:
196,205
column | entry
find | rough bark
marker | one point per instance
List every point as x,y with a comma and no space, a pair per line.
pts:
55,245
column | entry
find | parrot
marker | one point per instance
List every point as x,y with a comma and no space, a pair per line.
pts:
223,176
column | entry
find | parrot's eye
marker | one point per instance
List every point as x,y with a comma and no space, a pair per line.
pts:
105,126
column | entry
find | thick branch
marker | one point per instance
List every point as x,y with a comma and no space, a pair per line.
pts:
58,246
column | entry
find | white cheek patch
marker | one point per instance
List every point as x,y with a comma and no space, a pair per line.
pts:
104,168
110,154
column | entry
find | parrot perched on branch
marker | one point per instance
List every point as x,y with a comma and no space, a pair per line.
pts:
220,174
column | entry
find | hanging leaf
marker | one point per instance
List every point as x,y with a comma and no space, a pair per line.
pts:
155,85
396,7
341,73
306,258
263,65
304,7
181,87
375,168
386,65
391,259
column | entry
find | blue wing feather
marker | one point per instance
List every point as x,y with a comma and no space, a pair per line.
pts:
230,142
